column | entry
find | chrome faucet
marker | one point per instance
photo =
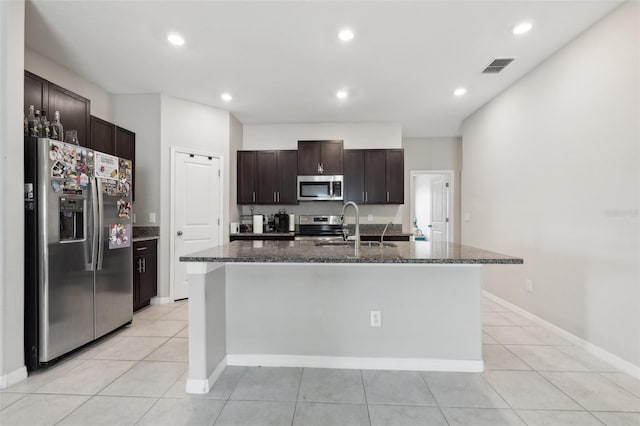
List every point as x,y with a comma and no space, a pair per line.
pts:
385,230
355,207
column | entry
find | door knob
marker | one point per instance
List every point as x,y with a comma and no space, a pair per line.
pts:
179,233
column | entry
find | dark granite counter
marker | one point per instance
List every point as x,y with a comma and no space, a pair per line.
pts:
308,252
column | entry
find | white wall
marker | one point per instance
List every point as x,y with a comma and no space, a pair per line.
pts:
11,192
186,124
433,154
236,131
552,174
58,74
141,114
354,135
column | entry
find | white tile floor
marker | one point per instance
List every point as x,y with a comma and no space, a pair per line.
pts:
137,376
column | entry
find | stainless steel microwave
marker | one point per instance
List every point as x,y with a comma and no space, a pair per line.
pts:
320,188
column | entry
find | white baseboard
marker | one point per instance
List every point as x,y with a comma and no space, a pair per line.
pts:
14,377
203,386
160,300
621,364
306,361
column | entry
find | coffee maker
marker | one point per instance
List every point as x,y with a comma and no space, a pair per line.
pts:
281,221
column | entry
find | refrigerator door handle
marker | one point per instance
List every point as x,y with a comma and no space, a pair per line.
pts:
100,224
96,229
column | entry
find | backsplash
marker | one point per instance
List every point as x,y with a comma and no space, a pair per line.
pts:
146,231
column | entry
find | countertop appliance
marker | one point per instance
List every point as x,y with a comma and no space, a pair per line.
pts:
78,254
320,188
281,222
319,227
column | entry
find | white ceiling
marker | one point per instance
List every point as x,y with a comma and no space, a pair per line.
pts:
283,63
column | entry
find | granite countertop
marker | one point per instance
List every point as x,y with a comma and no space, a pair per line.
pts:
145,238
269,234
308,252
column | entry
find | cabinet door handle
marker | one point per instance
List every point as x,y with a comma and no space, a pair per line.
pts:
387,196
144,264
141,248
363,196
366,196
254,197
139,266
274,197
278,196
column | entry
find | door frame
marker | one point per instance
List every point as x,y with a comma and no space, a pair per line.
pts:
451,195
172,226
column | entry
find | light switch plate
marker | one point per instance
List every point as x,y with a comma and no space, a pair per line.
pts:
370,218
152,218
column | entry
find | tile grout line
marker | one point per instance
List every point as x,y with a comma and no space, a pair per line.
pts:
295,407
146,412
426,382
228,398
366,401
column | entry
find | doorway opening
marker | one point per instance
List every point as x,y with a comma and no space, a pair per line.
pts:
431,204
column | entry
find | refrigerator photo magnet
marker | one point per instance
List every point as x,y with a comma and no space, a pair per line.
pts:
119,236
106,166
124,208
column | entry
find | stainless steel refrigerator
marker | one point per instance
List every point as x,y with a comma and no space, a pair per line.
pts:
78,249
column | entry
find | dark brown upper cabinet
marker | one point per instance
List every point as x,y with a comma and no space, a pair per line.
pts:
395,176
36,92
320,157
246,188
287,177
74,109
267,177
103,136
374,176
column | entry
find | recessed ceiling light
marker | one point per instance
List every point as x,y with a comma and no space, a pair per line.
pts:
175,39
460,91
226,97
522,28
345,35
342,94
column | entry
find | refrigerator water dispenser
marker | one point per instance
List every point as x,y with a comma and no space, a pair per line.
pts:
72,219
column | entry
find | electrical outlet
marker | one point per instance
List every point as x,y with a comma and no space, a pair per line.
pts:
376,319
467,217
152,218
370,218
529,286
133,217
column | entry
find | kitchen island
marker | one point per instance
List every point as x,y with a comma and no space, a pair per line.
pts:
298,304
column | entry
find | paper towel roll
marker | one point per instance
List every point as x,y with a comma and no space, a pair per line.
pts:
292,222
258,224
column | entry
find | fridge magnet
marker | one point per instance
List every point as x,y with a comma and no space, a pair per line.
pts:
119,236
55,151
124,208
123,188
110,188
55,185
106,166
57,170
84,180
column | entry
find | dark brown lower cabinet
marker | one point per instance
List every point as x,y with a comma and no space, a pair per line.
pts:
145,272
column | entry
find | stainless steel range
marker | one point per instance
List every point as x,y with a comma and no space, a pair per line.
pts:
319,228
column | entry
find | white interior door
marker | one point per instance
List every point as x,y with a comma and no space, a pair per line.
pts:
439,225
196,211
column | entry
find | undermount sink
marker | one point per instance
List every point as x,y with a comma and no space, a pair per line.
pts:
352,243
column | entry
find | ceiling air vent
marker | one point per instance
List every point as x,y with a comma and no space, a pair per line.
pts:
497,65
